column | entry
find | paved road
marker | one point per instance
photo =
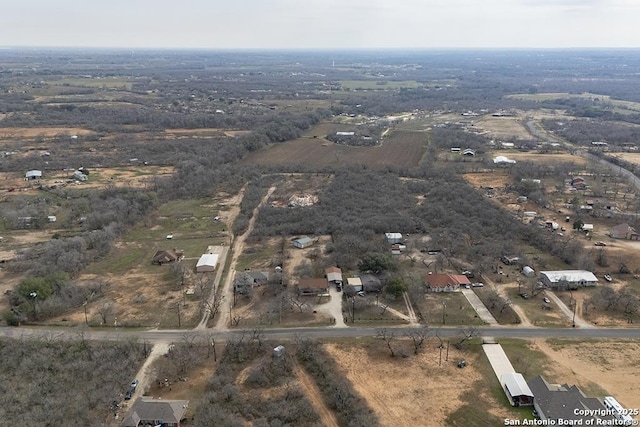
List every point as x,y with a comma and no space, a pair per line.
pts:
154,336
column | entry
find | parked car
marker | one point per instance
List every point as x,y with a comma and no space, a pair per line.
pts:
128,395
524,295
462,363
477,284
469,274
134,384
361,293
600,244
608,278
545,299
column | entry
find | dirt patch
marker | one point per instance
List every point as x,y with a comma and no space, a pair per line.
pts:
393,386
610,364
43,131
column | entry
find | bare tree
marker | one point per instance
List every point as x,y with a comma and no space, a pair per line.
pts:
388,337
105,311
418,336
467,333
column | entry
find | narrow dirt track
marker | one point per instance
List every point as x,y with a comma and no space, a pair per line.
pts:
312,391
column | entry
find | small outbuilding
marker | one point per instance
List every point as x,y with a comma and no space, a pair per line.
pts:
303,242
33,174
528,271
393,238
355,283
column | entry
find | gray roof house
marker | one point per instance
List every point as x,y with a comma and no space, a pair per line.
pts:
555,401
149,411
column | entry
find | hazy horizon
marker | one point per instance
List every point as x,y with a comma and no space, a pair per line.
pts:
322,24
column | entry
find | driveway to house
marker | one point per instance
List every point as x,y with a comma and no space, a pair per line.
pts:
226,293
579,321
479,307
334,307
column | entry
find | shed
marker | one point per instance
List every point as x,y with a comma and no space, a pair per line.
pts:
528,271
517,389
33,174
393,238
278,351
207,262
355,282
303,242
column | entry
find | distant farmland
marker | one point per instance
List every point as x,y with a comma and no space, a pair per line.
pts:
399,148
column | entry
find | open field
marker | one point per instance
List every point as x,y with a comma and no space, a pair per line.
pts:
447,395
377,84
126,176
629,106
17,132
397,149
502,127
143,294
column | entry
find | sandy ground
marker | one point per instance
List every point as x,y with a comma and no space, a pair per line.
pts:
610,364
412,391
327,417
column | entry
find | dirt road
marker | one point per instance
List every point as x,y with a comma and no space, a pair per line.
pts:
236,249
310,388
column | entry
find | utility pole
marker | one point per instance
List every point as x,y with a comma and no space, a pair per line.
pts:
444,307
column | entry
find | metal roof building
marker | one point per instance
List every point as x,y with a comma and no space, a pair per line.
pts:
573,278
207,262
517,389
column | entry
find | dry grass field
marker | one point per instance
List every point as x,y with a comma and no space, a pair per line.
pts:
502,127
398,149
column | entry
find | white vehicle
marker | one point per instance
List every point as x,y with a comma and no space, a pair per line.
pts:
618,412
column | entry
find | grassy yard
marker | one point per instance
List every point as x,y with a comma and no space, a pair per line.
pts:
452,305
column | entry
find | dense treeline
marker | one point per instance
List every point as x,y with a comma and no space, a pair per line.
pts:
583,132
338,393
64,382
266,396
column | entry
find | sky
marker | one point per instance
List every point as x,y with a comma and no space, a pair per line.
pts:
321,24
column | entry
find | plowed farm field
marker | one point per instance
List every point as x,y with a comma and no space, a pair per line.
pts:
398,148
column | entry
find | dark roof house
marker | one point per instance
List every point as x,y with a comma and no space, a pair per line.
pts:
555,402
313,287
147,411
167,256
